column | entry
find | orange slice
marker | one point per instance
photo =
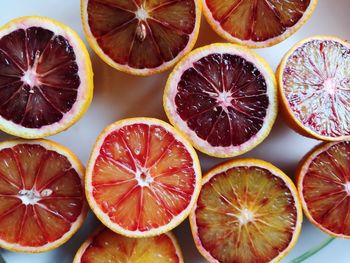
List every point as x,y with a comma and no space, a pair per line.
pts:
257,23
142,178
324,187
107,246
42,201
223,98
247,211
313,80
141,37
46,80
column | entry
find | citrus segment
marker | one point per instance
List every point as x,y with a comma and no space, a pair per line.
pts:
141,37
223,98
257,23
324,188
142,178
107,246
45,77
41,195
247,211
313,80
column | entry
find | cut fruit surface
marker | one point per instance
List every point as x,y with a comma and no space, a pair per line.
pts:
257,23
222,97
324,187
141,37
142,178
314,87
107,246
247,211
42,201
45,77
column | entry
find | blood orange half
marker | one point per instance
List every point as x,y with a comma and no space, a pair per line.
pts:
223,98
141,37
45,77
42,201
257,23
248,211
142,178
314,88
106,246
324,187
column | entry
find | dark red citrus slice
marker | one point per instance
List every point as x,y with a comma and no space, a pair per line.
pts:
142,178
324,187
42,200
314,87
223,98
141,37
257,23
107,246
45,77
248,211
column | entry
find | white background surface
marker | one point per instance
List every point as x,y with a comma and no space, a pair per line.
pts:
118,95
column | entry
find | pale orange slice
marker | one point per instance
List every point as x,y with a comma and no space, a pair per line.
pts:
248,211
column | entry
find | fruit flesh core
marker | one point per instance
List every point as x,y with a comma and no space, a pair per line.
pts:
245,214
223,99
326,189
108,246
143,177
257,20
41,195
316,87
38,77
141,34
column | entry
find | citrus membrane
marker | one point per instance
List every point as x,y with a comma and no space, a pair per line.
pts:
45,77
314,87
247,211
141,37
324,187
142,177
222,97
257,23
41,195
107,246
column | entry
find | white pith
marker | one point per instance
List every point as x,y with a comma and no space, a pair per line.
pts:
347,188
30,77
141,13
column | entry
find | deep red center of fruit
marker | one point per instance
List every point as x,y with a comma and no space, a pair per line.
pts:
222,97
38,77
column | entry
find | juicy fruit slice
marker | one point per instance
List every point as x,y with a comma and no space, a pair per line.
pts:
314,87
257,23
45,77
142,177
42,200
141,37
107,246
247,211
324,187
223,98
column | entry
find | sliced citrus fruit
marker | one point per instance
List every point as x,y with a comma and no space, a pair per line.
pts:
42,201
142,178
107,246
313,80
247,211
257,23
141,37
46,80
222,97
324,187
